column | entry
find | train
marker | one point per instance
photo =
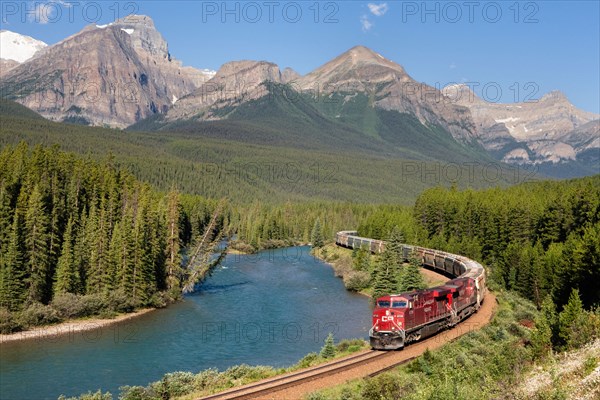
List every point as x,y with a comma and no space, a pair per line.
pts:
399,319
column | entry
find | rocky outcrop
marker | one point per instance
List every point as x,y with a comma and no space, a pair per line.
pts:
6,66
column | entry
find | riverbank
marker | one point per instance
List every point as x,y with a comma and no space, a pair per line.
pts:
340,259
49,332
239,247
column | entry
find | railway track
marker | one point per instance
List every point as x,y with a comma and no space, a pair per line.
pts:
266,387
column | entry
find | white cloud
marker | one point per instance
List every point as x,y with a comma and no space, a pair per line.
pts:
365,23
378,9
452,65
48,11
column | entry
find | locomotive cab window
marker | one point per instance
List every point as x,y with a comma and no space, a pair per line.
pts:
399,304
383,303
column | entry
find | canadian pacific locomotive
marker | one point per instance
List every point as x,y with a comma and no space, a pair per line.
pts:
401,318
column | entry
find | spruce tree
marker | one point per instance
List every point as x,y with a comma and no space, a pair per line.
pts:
5,218
384,275
328,350
37,247
173,264
568,317
98,235
411,278
316,236
67,273
543,334
394,246
361,259
12,270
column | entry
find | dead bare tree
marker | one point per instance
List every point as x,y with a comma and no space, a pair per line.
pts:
200,264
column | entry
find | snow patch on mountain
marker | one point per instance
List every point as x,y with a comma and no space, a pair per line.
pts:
208,72
16,47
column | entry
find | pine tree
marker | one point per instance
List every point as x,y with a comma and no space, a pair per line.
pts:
36,248
316,236
67,272
411,278
328,350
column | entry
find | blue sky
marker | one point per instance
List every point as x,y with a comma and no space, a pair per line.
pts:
524,49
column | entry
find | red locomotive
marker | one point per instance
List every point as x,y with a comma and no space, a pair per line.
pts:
399,319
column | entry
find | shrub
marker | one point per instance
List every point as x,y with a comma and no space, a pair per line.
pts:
8,323
38,314
135,393
584,329
349,345
92,304
308,360
174,384
349,394
209,378
357,280
89,396
69,305
316,396
159,300
242,247
385,386
119,301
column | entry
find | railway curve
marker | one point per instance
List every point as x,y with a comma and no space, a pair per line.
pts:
370,362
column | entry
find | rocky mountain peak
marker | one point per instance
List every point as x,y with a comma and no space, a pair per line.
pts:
143,34
289,75
461,93
234,82
358,69
247,72
126,64
362,54
555,95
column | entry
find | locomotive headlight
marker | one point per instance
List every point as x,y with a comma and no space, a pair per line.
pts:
387,312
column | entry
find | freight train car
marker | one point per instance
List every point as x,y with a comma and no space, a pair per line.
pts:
401,318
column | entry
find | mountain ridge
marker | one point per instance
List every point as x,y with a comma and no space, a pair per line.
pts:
137,84
114,74
548,130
